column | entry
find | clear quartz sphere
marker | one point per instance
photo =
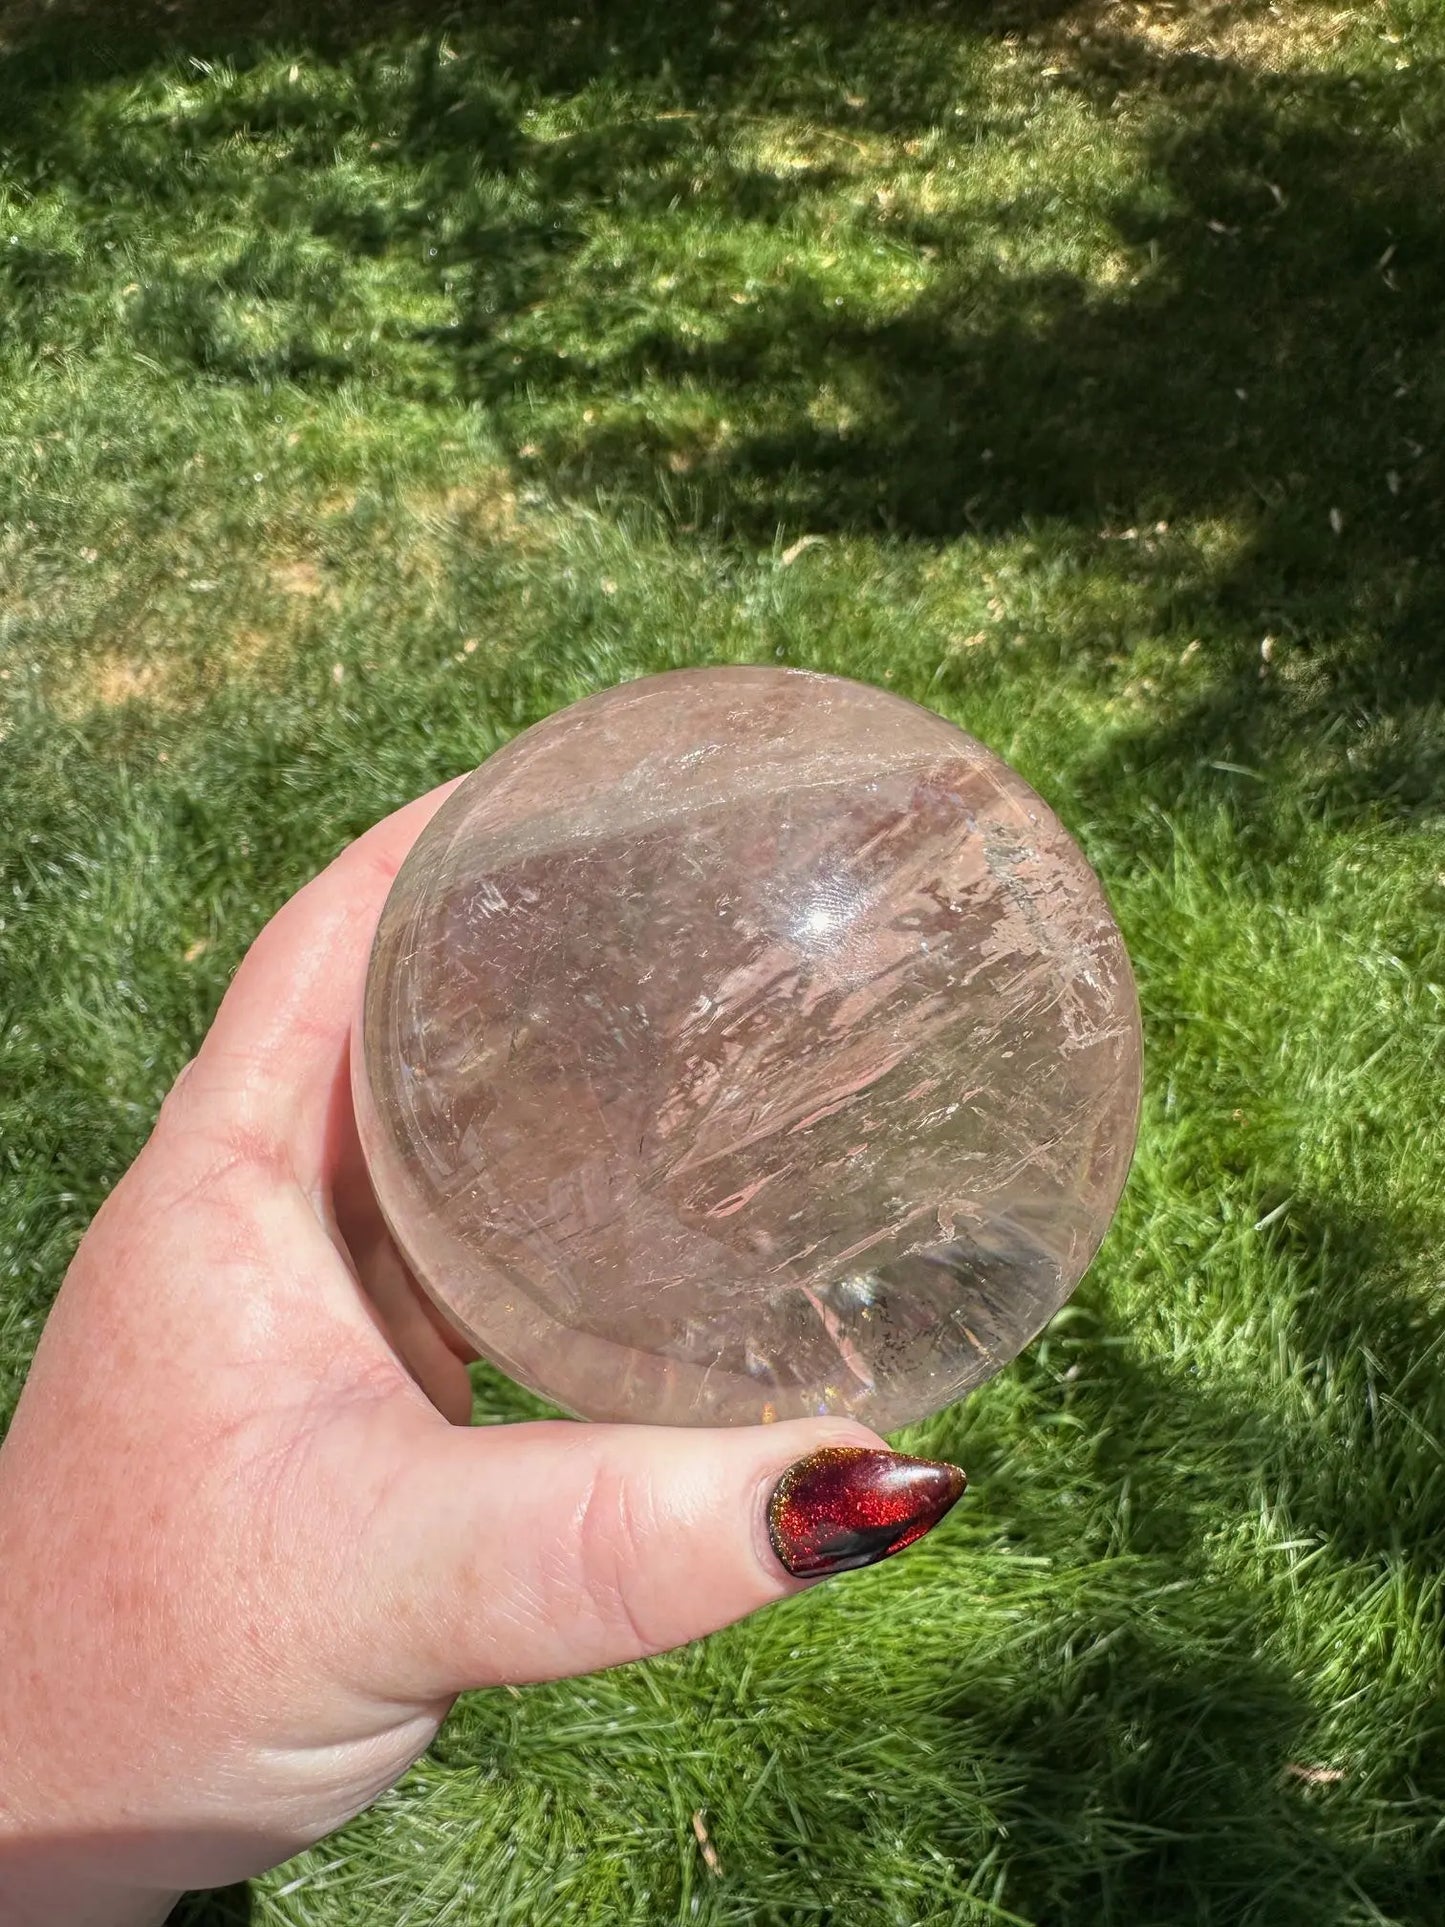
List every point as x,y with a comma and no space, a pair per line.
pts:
745,1043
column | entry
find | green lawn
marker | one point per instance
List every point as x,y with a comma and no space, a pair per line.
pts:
375,379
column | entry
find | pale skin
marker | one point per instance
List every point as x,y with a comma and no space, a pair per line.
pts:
250,1548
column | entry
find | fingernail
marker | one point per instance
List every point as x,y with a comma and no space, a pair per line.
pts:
846,1506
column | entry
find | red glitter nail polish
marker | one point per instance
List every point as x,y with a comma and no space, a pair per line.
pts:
846,1506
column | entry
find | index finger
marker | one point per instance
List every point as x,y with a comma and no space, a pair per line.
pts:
270,1061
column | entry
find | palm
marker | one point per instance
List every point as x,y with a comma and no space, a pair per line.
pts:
220,1332
292,1411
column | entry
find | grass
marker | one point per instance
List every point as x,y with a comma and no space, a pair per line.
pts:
378,378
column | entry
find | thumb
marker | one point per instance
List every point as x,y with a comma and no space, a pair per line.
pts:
529,1552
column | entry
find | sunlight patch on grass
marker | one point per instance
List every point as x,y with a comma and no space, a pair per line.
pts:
483,511
173,667
299,579
1271,35
790,149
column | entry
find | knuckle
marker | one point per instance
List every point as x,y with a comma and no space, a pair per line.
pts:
617,1541
174,1100
210,1133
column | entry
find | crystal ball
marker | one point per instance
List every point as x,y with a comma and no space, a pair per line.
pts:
743,1043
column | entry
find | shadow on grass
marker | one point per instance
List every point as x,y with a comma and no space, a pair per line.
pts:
1351,1461
1156,1752
1270,362
222,1907
1144,1780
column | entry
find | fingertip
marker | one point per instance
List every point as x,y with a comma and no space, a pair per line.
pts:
284,1026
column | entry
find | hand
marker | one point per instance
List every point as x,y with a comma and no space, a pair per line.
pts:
249,1550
